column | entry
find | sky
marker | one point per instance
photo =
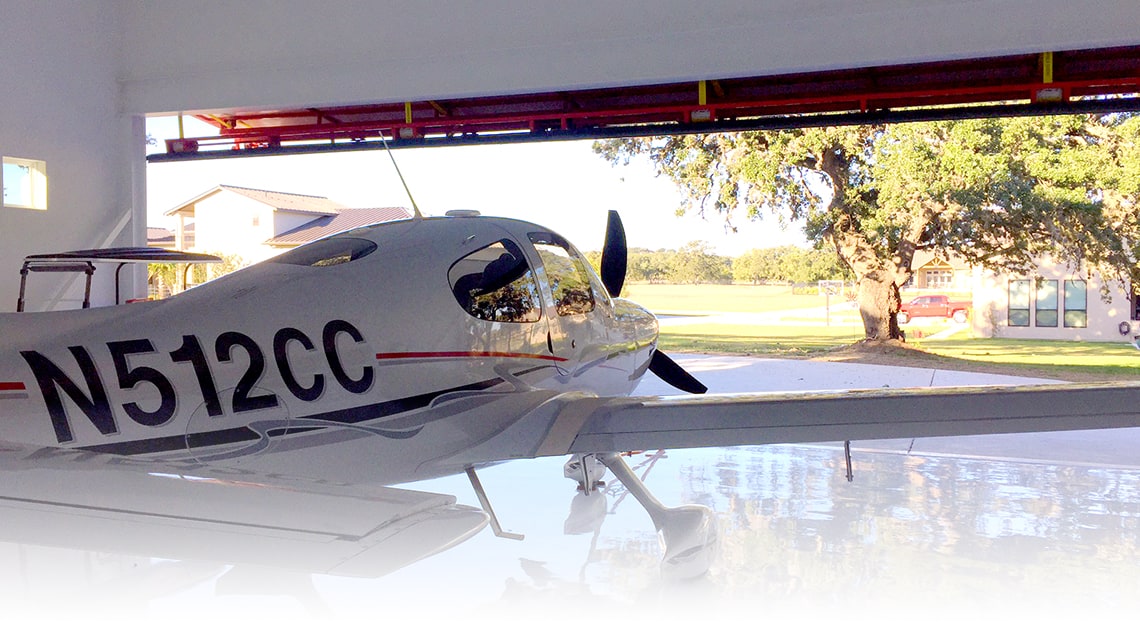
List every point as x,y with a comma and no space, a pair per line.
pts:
563,186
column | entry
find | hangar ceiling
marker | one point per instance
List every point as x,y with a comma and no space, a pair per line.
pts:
270,71
1043,83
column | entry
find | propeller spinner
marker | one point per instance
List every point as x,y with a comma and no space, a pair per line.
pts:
614,258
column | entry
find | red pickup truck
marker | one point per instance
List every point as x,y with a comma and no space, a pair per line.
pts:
934,306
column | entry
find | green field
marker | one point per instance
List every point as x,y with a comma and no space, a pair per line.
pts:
769,340
705,298
1095,358
803,334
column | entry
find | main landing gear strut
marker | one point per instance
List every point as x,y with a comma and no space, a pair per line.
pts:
688,533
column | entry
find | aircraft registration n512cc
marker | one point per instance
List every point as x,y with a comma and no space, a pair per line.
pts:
425,347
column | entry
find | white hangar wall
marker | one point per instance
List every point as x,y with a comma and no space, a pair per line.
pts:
60,104
76,75
217,54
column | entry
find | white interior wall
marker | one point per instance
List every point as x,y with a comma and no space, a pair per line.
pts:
219,54
75,73
60,103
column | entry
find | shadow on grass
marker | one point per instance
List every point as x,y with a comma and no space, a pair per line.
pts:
773,344
1060,360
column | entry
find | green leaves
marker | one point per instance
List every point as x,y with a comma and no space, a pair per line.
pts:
788,264
997,192
992,190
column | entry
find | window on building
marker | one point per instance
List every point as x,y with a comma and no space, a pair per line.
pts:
24,182
1019,303
940,279
1045,314
495,283
567,273
1076,304
188,236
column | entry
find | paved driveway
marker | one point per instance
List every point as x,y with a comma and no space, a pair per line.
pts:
737,374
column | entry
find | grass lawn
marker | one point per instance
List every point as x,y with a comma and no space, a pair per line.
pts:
1066,360
1062,360
758,339
1108,359
703,298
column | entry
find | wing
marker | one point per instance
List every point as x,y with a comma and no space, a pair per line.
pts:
72,499
587,425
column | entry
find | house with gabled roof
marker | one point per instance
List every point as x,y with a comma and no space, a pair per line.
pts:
160,237
941,272
1054,300
1057,301
253,224
345,219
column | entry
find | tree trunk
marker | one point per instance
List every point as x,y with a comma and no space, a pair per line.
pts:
879,298
879,276
879,303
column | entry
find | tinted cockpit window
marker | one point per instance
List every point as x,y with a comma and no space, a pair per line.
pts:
329,252
566,271
495,283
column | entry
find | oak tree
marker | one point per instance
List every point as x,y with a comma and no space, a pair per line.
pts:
997,192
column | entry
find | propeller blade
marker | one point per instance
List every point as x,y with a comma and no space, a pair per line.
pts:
673,374
614,255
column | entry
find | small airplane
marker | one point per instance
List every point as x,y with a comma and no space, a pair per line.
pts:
300,388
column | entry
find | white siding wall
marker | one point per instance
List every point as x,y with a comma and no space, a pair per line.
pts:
59,102
284,220
224,223
991,307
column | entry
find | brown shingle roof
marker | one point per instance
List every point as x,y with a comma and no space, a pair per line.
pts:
348,218
159,237
288,201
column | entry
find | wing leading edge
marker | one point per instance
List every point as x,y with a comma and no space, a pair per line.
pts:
641,423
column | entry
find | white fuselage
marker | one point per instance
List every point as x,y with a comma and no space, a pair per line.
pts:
379,355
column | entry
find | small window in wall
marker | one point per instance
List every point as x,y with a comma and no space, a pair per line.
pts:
188,236
567,273
1046,312
25,183
1076,304
1019,303
495,283
939,279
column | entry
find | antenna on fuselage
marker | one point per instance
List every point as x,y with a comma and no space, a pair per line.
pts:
415,208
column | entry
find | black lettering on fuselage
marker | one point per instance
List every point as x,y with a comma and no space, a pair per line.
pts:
244,400
130,379
146,383
332,330
281,355
51,379
191,352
